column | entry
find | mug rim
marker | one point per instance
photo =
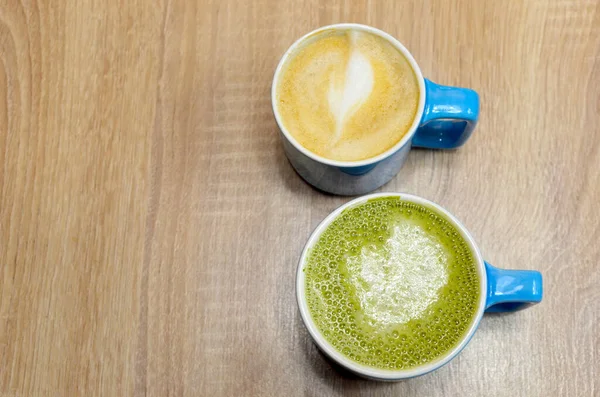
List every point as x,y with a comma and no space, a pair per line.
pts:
363,370
372,160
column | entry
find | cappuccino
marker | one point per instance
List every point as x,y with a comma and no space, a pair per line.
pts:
347,94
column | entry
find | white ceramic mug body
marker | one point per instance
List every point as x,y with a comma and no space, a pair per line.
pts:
370,372
347,177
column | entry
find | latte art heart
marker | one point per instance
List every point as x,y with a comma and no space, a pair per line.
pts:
355,89
347,95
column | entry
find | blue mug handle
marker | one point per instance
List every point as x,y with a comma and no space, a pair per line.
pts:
449,117
512,290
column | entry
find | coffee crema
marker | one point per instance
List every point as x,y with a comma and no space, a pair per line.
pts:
391,284
347,95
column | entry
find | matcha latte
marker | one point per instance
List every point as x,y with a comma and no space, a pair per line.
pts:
391,284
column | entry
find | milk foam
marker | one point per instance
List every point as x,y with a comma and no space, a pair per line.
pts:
398,282
356,88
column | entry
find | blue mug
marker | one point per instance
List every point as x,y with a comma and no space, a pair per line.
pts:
501,290
445,119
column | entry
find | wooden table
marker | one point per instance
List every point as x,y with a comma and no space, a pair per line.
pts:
150,225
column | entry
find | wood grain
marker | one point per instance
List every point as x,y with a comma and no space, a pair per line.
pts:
150,224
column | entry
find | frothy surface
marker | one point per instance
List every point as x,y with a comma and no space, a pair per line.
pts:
398,281
391,284
347,95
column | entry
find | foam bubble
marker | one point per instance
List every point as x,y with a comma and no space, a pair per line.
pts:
398,282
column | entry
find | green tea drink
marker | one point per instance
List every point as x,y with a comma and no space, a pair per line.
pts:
391,284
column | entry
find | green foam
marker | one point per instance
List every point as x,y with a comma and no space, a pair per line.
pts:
391,284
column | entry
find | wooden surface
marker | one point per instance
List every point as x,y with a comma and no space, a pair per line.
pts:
150,224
